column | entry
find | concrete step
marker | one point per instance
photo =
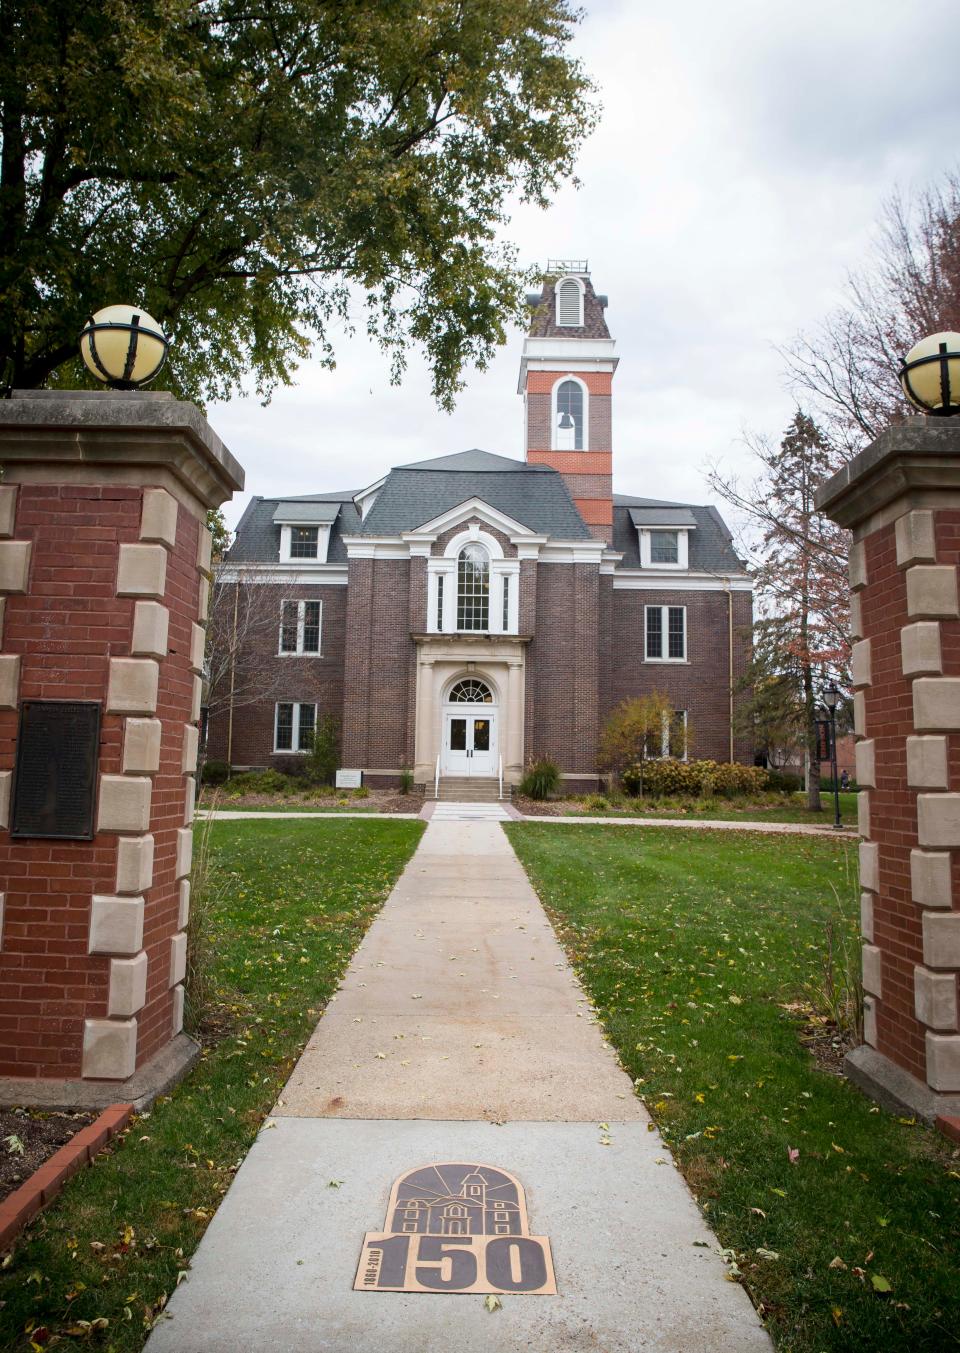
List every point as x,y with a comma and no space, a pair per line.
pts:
464,790
469,812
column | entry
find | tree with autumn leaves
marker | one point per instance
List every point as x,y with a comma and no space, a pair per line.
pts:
799,559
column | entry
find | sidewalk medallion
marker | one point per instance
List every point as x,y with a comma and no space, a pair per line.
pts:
456,1228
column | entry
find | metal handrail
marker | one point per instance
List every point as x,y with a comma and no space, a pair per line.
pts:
501,777
436,782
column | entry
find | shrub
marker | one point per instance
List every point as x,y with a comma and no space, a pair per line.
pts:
784,781
541,779
361,792
324,755
694,779
261,782
214,772
406,780
596,803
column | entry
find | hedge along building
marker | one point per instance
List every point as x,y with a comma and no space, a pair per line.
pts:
474,612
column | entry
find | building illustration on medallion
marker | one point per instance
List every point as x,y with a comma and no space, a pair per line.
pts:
456,1227
457,1200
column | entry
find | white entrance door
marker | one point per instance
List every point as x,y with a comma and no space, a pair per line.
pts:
469,743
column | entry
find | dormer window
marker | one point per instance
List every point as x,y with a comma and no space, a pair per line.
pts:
664,547
305,527
303,542
569,304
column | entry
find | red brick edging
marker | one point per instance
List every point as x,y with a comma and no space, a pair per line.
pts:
949,1126
21,1206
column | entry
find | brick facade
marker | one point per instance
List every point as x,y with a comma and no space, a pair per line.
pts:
700,685
315,679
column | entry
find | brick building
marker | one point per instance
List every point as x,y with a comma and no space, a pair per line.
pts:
479,612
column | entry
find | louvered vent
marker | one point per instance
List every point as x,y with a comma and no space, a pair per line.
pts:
568,304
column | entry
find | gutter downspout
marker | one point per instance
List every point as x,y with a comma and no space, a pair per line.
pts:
726,588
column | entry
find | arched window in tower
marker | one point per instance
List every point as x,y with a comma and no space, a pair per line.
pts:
569,304
473,588
569,417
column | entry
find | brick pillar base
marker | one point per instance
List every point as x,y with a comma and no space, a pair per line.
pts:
901,498
104,585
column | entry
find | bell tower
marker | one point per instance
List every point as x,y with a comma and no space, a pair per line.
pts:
566,378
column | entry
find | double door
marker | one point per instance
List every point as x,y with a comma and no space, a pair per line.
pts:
470,744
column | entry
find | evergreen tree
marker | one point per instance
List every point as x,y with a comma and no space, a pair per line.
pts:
800,563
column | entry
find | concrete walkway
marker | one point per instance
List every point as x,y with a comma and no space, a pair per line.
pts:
495,812
459,1034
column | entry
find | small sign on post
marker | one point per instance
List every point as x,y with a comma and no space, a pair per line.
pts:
349,779
823,739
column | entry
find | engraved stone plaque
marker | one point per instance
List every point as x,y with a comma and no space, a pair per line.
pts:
456,1227
55,782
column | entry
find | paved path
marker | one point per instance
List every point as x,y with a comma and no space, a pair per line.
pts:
490,812
459,1034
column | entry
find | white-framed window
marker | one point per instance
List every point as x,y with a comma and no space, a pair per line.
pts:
664,547
570,415
473,588
569,294
300,627
304,544
672,739
666,633
293,727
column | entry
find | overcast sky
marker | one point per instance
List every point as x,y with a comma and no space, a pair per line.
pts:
744,151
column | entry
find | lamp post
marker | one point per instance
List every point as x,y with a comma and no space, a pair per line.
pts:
123,347
831,694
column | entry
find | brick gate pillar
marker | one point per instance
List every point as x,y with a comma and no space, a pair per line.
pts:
104,586
901,499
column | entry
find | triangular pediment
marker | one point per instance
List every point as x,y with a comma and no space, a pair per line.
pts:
473,509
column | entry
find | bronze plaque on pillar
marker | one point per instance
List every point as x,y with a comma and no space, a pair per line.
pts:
55,784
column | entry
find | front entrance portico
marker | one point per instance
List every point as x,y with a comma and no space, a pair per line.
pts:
469,711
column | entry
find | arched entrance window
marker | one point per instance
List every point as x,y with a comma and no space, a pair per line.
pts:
473,588
470,692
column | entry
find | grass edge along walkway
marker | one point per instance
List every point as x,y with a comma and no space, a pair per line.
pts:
700,952
292,902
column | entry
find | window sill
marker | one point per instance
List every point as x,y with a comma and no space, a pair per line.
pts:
288,653
667,662
289,751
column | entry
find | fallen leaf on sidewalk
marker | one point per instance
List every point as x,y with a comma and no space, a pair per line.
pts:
493,1303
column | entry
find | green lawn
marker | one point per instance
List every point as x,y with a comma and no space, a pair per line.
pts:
294,901
700,952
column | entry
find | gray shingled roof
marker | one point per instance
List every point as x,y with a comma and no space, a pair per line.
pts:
303,512
662,516
258,536
711,544
481,462
543,321
534,495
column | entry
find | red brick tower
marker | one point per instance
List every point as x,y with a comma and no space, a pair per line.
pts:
566,375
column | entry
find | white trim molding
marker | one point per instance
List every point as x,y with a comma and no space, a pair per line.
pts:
661,580
288,575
